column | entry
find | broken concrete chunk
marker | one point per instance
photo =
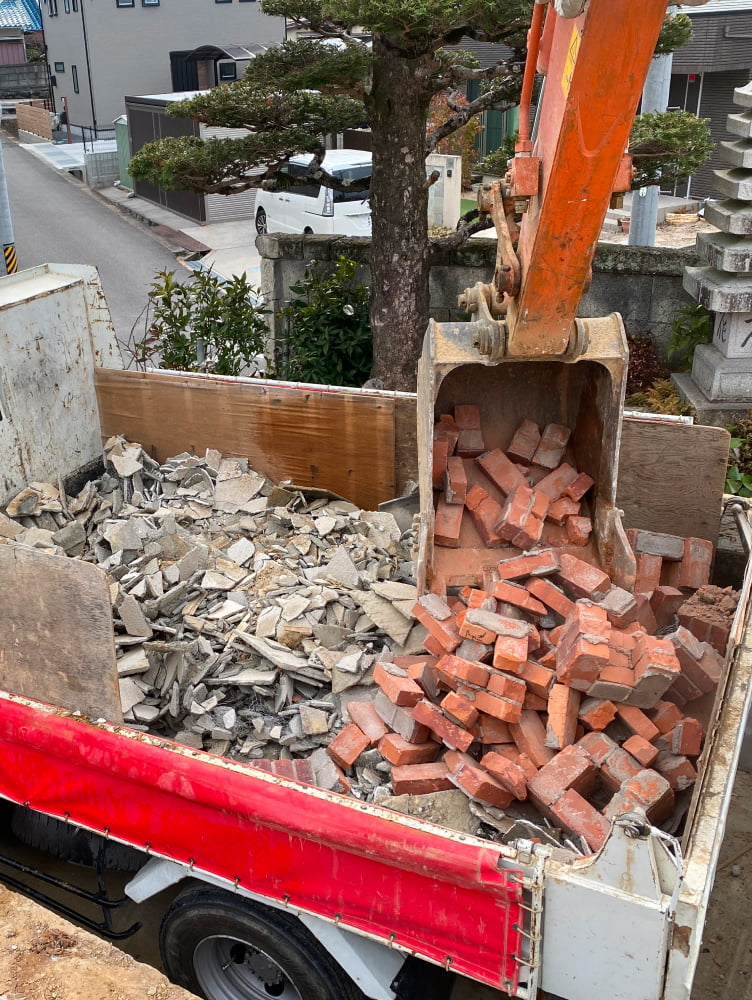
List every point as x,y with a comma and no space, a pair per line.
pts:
340,569
133,618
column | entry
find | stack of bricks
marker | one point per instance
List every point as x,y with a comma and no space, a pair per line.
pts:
536,483
548,687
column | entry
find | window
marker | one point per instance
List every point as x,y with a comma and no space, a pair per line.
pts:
309,190
125,3
75,6
66,6
74,74
352,174
227,71
53,8
150,3
60,67
222,1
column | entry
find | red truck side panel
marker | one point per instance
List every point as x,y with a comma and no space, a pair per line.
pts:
332,856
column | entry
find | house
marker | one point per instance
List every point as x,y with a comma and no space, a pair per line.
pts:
705,74
101,50
18,19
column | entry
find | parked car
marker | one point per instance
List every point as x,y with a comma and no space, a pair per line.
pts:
313,208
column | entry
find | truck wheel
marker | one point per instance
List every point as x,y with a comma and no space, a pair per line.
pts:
225,947
72,843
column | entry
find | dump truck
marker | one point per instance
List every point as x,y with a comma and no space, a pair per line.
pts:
286,889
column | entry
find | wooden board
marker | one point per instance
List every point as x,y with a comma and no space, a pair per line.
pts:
334,439
56,637
671,477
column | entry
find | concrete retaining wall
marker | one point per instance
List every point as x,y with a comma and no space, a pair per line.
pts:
102,169
643,284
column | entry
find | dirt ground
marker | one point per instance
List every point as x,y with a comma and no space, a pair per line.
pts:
667,235
43,957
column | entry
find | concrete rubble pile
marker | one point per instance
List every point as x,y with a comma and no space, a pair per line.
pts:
285,632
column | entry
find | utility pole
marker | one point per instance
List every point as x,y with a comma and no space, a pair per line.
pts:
10,260
644,214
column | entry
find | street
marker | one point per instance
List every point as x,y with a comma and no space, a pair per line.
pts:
56,219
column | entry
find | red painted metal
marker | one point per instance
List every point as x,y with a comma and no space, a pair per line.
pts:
442,896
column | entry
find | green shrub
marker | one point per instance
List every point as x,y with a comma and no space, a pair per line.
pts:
739,472
207,324
327,335
692,327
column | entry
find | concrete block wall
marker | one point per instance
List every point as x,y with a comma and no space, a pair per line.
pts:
643,284
23,80
102,169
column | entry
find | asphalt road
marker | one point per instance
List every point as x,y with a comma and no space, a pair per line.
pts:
58,220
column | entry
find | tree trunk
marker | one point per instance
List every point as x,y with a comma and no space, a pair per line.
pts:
398,110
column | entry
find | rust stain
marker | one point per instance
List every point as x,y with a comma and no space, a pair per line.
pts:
681,939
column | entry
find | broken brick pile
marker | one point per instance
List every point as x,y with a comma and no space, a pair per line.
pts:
548,688
536,482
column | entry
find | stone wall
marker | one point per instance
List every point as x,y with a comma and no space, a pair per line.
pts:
23,80
643,284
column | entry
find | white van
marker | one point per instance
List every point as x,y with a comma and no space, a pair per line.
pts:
312,208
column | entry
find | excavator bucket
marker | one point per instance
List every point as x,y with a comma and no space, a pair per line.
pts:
585,395
526,356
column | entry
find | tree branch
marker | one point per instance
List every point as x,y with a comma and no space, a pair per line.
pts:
457,238
466,112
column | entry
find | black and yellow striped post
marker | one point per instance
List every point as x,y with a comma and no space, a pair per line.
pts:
11,260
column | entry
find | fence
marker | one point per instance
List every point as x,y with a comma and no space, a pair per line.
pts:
34,118
90,136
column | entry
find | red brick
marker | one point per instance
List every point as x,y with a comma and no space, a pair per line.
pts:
529,735
400,720
507,773
501,471
665,716
348,745
579,663
365,716
478,599
648,790
655,672
555,483
597,746
440,458
642,751
426,677
572,768
398,751
524,442
526,766
534,702
695,564
687,737
455,669
677,770
505,625
500,708
433,718
577,816
477,633
550,595
396,685
648,573
613,684
432,646
596,713
563,709
443,632
460,710
515,513
421,779
513,593
535,564
562,510
698,661
447,523
620,607
486,514
580,579
637,722
446,430
539,679
455,481
618,767
553,442
645,617
665,602
489,730
541,505
510,653
579,530
473,651
579,487
470,442
507,686
476,782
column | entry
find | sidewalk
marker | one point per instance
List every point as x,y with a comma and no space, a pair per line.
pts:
228,248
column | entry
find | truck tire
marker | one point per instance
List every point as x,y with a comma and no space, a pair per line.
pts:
72,843
224,947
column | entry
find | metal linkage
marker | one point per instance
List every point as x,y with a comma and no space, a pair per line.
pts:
532,931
